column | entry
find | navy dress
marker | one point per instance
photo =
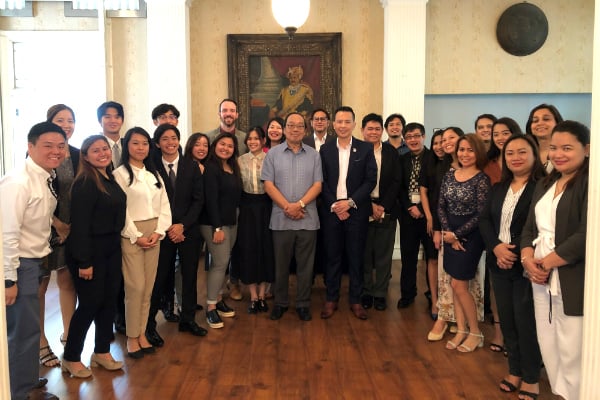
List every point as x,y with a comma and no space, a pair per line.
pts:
460,205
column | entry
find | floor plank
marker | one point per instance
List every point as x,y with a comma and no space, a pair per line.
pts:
252,357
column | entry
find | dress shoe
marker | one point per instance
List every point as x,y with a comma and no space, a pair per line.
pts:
380,303
192,327
434,337
224,310
80,373
262,305
148,350
366,301
198,308
110,365
41,383
154,338
235,293
464,348
328,309
303,313
278,312
358,311
403,303
136,355
169,314
41,395
253,307
213,319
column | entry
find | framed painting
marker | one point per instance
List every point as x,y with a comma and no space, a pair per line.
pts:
271,75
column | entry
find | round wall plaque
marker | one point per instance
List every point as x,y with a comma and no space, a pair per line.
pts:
522,29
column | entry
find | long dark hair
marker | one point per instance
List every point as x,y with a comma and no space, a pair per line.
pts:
448,157
553,110
191,142
582,134
148,163
282,124
514,128
537,170
215,161
87,170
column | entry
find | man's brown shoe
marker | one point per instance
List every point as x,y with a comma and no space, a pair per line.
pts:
328,309
358,311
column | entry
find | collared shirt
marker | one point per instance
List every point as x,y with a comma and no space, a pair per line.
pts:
26,207
319,142
344,159
175,164
293,174
144,201
250,168
377,152
116,157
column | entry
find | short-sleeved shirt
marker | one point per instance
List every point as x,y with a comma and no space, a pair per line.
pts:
293,174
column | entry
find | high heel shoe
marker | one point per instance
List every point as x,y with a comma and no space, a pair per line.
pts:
450,345
110,365
81,373
435,337
463,348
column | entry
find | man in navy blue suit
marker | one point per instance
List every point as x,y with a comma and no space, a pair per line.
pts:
349,176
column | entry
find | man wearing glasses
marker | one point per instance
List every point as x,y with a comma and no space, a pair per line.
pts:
413,225
319,120
165,114
292,175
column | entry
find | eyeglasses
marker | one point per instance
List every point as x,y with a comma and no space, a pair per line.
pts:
165,117
292,126
410,137
320,119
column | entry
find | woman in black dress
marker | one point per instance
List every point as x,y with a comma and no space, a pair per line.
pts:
463,195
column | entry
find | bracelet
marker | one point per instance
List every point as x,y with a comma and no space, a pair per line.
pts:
523,259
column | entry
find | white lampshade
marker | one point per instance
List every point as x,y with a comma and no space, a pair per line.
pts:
290,13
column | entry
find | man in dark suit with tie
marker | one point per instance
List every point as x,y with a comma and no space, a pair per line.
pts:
183,183
349,176
382,222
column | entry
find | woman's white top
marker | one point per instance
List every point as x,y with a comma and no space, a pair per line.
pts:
545,219
145,200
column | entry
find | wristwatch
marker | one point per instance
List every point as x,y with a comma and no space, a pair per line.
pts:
302,204
351,202
219,229
9,283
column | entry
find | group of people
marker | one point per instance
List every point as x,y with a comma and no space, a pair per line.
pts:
124,220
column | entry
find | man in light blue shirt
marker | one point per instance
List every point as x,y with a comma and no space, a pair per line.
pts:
292,175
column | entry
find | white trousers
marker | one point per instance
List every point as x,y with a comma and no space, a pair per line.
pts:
560,341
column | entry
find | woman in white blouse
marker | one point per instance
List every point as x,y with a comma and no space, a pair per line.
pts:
148,217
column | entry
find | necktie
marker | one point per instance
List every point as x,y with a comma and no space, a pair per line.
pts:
116,156
413,186
51,186
172,176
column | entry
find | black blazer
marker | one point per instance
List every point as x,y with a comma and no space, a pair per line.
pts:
360,180
569,238
310,139
389,179
74,154
489,222
187,198
406,165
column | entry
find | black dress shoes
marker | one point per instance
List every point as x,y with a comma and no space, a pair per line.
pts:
366,301
154,338
278,312
41,395
41,383
169,314
380,303
193,328
136,355
404,303
303,313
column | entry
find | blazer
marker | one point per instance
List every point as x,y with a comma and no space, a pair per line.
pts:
310,139
489,222
390,179
187,197
569,238
406,166
360,180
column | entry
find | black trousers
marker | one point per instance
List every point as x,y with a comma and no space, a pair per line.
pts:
413,233
97,298
347,237
517,320
189,255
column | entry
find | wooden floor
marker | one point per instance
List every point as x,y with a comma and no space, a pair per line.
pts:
252,357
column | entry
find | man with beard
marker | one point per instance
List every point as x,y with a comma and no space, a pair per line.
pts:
228,115
394,124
